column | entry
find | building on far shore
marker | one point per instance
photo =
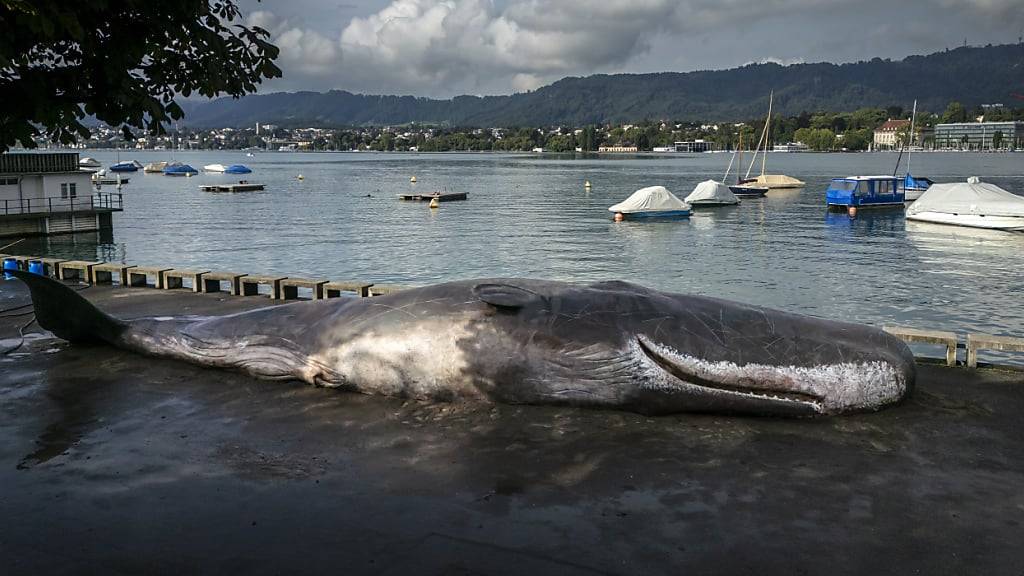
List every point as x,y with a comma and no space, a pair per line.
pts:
980,136
47,193
617,149
886,135
688,146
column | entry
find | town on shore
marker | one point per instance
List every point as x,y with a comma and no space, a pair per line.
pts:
994,127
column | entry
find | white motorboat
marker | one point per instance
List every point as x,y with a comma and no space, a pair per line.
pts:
89,162
214,168
101,178
973,203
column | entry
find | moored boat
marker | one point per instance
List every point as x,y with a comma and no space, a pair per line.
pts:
132,166
973,203
914,187
237,169
651,202
748,190
770,181
864,192
741,190
214,168
100,178
179,169
89,162
154,167
711,193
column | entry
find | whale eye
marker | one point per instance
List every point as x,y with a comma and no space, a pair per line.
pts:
505,295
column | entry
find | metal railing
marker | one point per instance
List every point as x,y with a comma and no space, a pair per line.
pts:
98,202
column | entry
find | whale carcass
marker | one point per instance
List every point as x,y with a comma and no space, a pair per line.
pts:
605,344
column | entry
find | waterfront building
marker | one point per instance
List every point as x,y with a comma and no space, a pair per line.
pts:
980,136
694,146
791,147
617,149
47,193
886,135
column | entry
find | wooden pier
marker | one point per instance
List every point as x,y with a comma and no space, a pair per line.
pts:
240,187
439,196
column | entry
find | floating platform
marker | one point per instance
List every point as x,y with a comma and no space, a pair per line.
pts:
440,196
240,187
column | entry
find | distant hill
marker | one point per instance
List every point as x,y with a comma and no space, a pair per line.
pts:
971,75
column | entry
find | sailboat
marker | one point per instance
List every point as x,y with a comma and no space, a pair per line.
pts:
912,187
740,189
770,181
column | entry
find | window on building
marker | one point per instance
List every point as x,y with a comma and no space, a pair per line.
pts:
68,190
8,181
64,190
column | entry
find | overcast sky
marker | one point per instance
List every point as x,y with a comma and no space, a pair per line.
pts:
441,48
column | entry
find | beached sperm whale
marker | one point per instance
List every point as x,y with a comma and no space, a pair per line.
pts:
607,344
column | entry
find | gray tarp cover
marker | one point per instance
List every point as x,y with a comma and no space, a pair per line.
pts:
971,197
712,192
650,199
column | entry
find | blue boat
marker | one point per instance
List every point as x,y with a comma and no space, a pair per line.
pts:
913,187
179,169
237,169
864,192
125,167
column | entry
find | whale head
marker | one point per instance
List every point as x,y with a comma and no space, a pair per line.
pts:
661,352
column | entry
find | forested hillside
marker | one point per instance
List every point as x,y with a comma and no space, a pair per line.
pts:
971,75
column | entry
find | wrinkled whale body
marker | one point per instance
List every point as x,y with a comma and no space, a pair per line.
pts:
606,344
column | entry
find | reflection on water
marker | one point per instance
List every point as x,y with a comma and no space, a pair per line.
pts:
530,215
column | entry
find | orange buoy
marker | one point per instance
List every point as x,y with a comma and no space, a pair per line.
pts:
619,217
852,211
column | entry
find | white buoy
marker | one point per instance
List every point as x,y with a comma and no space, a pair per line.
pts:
587,184
301,177
413,179
434,203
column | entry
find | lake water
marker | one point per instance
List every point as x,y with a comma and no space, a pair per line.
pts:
530,216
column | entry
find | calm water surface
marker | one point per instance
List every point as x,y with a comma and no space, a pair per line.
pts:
530,215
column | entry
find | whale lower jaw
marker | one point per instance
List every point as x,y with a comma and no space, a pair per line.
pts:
823,389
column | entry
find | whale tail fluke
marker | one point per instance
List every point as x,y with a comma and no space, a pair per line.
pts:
66,313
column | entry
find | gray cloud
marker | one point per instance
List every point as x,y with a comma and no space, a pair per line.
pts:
447,47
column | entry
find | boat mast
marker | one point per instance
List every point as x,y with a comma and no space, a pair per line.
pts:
910,137
738,181
761,140
767,131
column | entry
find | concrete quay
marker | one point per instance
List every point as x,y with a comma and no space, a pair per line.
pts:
115,463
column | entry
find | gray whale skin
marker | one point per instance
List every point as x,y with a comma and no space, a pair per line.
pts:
606,344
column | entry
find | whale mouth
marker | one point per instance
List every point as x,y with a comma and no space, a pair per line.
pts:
740,385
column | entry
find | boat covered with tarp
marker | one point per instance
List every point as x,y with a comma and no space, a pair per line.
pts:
132,166
237,169
179,169
652,201
913,187
711,193
972,203
155,167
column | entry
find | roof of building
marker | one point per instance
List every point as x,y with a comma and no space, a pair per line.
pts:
893,125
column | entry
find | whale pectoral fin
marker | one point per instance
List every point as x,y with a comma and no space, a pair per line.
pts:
505,295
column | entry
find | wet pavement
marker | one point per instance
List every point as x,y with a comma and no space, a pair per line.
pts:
115,463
